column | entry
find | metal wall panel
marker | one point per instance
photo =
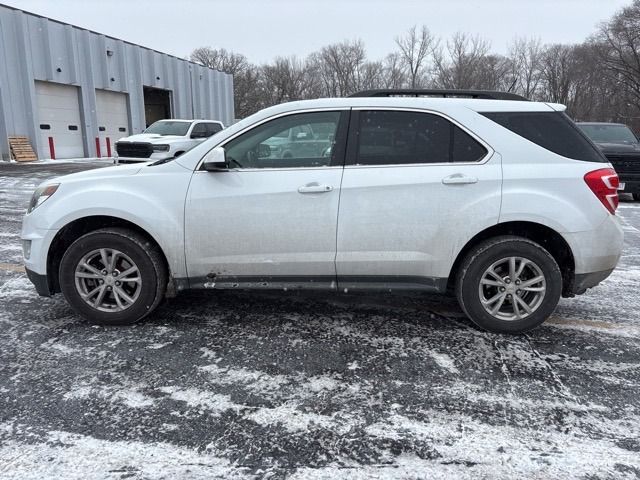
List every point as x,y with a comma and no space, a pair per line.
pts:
37,48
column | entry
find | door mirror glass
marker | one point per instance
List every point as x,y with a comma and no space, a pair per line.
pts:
215,160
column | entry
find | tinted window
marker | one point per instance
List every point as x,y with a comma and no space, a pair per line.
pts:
213,128
396,138
609,133
168,127
199,131
551,130
302,140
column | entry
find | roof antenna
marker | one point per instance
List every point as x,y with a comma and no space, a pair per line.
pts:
515,80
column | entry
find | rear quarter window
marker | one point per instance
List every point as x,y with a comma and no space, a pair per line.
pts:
553,131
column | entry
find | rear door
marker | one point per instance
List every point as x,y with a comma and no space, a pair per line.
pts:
416,187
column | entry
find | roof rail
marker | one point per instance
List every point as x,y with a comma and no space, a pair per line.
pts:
419,92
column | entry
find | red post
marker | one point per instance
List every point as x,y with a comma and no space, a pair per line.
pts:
52,150
108,147
98,147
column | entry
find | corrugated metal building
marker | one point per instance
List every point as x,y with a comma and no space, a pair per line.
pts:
74,92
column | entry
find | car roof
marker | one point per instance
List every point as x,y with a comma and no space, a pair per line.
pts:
478,105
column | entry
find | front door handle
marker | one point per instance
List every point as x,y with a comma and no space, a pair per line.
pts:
459,179
315,188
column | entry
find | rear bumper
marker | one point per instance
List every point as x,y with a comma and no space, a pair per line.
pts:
583,281
41,282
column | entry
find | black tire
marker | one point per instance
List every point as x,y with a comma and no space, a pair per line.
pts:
636,197
145,255
490,252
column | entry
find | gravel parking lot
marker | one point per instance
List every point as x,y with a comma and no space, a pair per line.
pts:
274,385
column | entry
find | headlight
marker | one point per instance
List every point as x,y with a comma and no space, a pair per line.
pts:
161,148
41,195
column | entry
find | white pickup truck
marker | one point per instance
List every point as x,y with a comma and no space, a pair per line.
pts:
165,139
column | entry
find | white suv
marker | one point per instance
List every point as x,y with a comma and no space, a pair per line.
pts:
503,202
165,139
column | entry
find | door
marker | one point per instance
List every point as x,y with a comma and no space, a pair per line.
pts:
416,187
269,221
59,121
113,120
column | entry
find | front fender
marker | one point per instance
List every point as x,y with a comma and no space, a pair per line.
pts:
153,202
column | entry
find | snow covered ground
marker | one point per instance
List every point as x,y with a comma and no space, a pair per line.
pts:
314,386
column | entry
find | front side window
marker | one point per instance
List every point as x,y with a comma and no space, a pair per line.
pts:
553,131
164,127
400,138
295,141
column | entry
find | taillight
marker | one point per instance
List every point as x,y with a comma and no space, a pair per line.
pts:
604,184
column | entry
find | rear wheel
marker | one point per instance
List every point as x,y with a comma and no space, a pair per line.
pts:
509,284
113,276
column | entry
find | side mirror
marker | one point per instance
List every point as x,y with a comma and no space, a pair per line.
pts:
215,160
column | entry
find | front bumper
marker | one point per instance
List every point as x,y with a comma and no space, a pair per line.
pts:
41,282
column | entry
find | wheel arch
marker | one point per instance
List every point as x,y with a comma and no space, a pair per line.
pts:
545,236
81,226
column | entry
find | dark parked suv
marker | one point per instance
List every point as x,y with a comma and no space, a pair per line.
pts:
620,145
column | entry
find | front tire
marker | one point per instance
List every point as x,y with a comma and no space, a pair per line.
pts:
509,284
113,276
636,197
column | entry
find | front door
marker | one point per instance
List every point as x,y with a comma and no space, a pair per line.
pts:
270,220
416,188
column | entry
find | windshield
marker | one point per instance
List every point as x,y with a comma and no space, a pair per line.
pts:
164,127
609,133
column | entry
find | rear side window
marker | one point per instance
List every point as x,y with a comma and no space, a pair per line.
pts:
551,130
389,137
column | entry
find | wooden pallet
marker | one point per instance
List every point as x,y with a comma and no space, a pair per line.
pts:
21,149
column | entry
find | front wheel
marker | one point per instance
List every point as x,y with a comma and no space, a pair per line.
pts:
636,197
509,284
113,276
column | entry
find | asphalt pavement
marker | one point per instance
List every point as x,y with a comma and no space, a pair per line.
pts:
313,386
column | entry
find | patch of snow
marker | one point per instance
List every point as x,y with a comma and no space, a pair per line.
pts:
78,457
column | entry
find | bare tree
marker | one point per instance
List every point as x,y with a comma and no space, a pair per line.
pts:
620,49
286,79
394,75
460,67
339,67
415,47
525,55
220,59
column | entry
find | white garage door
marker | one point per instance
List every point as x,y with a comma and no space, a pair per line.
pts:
59,121
113,120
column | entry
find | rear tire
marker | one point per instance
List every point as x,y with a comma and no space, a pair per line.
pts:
508,284
636,197
113,276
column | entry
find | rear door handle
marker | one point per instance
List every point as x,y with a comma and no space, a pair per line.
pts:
315,188
459,179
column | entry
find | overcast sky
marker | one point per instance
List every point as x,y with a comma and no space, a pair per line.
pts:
262,30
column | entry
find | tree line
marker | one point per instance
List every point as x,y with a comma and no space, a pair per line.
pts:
598,79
